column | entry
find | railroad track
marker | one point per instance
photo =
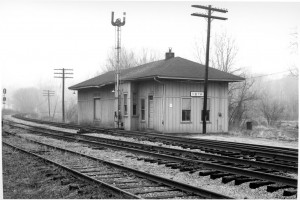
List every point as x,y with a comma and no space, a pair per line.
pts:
123,180
230,149
63,183
228,169
281,165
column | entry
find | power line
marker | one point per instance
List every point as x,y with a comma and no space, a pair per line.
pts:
269,74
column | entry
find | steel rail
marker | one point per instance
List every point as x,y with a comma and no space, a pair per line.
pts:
75,172
203,155
184,187
183,152
187,141
270,153
260,175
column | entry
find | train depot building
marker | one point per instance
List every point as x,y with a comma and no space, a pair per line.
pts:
163,96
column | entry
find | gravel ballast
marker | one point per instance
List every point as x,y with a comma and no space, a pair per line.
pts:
127,159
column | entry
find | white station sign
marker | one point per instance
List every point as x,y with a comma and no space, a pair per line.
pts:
197,94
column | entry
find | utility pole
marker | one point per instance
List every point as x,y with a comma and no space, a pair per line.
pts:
63,76
48,93
209,19
118,25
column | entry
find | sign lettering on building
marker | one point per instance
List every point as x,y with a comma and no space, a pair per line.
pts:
197,94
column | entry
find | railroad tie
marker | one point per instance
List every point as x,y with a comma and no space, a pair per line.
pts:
231,153
154,191
78,167
219,175
103,174
161,162
139,186
273,188
121,182
240,181
208,172
150,160
166,196
171,164
108,177
186,169
289,192
228,179
258,184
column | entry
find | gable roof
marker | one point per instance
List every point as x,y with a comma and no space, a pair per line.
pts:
173,68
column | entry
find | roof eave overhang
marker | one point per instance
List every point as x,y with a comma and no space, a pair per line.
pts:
160,77
182,78
199,79
90,86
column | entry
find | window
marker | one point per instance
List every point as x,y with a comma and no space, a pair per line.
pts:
143,109
134,104
125,104
97,109
207,110
186,109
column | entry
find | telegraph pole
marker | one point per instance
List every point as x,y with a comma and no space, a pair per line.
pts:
48,93
118,25
209,18
63,76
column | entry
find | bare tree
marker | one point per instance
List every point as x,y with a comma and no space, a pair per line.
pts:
129,58
294,72
200,48
27,100
223,53
272,109
241,96
71,111
294,41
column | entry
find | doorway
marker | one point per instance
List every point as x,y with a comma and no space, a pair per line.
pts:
150,112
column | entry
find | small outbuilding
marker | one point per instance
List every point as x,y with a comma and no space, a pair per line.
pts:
163,96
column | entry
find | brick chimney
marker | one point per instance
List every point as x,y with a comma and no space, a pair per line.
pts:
170,54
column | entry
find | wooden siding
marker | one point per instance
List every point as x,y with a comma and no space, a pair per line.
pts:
144,90
125,88
167,99
86,106
217,93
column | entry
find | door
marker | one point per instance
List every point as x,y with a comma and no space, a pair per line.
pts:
97,109
150,112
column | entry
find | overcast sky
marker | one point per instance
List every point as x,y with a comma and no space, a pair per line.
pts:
38,36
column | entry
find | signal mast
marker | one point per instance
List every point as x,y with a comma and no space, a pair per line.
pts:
118,24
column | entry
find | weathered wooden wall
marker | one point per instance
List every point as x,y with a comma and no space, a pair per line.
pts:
218,97
167,97
86,106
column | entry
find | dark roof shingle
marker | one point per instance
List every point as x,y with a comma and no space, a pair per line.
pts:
174,68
